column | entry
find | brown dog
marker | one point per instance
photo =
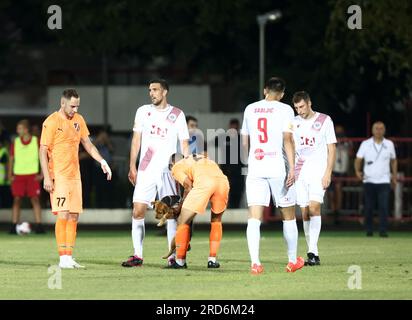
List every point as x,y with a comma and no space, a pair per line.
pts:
168,208
163,212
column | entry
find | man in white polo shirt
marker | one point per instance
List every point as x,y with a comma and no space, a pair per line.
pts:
379,157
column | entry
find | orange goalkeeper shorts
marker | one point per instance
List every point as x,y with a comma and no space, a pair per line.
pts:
215,189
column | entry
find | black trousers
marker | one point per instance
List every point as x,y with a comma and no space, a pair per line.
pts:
376,193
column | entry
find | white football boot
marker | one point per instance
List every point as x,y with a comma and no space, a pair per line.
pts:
74,263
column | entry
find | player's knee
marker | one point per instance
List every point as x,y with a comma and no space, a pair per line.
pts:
73,217
34,200
138,213
216,217
314,210
17,200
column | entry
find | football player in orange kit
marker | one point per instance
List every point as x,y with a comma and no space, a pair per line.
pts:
59,158
203,182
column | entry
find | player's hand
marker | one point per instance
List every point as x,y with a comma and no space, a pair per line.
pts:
11,178
359,175
39,177
132,175
48,185
106,169
326,181
290,179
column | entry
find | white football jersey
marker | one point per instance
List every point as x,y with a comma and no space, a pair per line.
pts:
311,139
160,129
265,122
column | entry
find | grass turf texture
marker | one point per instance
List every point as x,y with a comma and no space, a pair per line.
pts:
385,264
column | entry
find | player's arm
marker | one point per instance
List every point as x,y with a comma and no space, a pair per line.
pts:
48,184
394,169
179,173
10,164
244,147
289,145
134,152
327,177
94,153
184,146
358,167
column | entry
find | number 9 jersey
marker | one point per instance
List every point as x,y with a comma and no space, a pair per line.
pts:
265,122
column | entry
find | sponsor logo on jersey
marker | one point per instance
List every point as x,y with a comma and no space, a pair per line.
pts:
259,154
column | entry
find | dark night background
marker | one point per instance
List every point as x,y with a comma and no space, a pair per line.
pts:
351,74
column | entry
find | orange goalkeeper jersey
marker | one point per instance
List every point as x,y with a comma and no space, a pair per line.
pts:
62,138
195,168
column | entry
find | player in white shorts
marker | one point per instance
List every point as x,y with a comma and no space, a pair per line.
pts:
267,124
315,144
157,128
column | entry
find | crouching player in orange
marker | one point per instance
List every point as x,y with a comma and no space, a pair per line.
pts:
59,158
203,182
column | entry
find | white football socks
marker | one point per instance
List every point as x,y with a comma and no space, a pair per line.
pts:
314,231
138,231
64,259
253,239
171,230
306,225
290,233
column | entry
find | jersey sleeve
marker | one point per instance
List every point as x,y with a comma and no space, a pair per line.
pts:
48,131
392,150
180,171
245,127
288,123
330,132
138,120
84,131
361,152
182,131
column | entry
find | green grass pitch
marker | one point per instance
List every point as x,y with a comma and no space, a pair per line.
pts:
386,268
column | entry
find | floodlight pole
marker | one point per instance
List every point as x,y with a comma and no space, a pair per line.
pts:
262,20
261,55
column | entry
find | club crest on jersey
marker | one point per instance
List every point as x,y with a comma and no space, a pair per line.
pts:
317,125
171,117
77,126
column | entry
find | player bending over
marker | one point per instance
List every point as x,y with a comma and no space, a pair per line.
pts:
203,182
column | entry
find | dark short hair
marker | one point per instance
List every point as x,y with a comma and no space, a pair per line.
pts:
25,123
234,121
190,118
275,84
69,93
299,96
175,157
163,83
